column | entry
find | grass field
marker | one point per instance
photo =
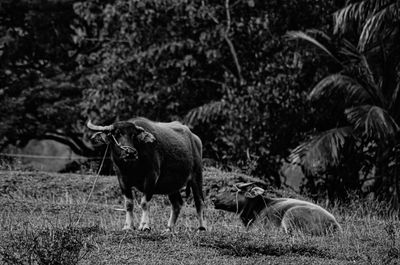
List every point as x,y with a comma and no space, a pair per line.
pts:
38,225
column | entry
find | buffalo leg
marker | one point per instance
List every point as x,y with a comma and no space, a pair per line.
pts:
176,203
199,203
145,219
128,197
129,210
149,186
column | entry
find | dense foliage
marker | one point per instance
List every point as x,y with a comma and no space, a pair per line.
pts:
222,67
39,93
361,97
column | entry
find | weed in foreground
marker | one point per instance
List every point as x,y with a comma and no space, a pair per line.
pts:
58,246
393,251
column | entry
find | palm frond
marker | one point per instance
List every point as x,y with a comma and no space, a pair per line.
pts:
370,16
360,63
322,150
350,51
319,34
374,25
395,95
338,83
344,18
372,121
358,12
371,28
368,74
377,5
304,36
205,112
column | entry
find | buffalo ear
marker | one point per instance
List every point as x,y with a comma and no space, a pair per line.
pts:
257,191
144,136
100,137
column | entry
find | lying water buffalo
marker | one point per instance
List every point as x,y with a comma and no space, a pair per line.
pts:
288,214
156,158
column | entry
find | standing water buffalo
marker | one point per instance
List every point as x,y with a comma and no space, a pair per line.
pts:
155,158
288,214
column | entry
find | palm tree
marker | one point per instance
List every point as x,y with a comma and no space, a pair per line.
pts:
366,87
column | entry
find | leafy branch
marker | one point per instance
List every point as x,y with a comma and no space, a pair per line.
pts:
228,40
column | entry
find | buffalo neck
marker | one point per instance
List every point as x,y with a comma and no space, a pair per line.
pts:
253,207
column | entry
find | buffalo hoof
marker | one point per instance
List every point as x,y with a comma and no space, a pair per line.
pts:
128,228
145,229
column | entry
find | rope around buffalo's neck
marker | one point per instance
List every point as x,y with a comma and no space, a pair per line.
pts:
94,184
237,201
123,147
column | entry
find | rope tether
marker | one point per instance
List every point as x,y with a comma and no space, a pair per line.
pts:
94,184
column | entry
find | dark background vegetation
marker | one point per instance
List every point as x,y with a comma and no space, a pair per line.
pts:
242,74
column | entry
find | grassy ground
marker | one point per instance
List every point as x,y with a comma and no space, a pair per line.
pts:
39,213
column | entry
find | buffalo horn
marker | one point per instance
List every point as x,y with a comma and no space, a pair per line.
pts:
93,127
242,185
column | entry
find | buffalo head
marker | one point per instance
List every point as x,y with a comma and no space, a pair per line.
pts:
241,199
123,137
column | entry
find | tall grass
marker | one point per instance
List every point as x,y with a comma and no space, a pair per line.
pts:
53,245
38,213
